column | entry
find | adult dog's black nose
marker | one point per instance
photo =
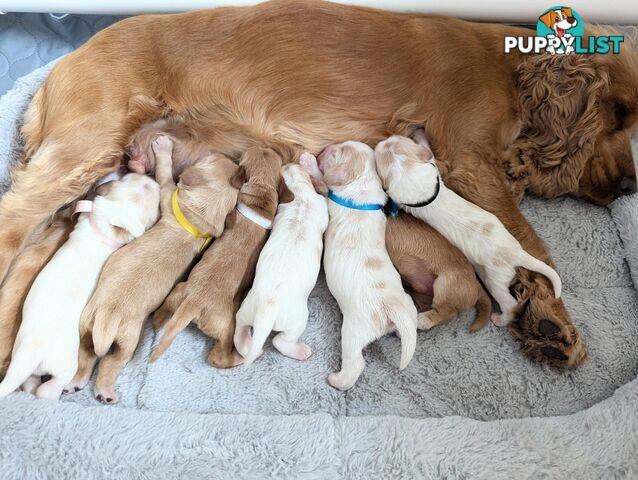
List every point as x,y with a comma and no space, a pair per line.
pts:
627,186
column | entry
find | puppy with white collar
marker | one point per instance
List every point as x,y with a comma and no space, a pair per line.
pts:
359,272
410,177
286,272
48,339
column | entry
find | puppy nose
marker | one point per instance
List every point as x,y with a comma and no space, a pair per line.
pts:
571,19
627,186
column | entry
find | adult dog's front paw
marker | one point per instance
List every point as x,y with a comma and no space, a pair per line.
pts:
544,327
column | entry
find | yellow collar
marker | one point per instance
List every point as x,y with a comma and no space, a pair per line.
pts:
186,225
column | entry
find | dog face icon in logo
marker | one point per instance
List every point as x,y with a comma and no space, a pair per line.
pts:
559,23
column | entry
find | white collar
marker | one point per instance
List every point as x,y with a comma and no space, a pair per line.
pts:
253,216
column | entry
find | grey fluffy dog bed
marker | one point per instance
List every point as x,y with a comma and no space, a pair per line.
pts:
468,406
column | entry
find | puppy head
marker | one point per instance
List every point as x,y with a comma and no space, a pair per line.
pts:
406,169
130,205
208,192
345,163
263,186
296,179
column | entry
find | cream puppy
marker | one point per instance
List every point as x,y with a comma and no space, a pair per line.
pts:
286,272
48,339
359,271
411,179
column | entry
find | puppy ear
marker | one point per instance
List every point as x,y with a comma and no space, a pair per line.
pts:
104,189
567,11
320,186
231,219
284,193
239,178
424,154
547,18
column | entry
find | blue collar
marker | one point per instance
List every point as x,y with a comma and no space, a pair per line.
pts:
344,202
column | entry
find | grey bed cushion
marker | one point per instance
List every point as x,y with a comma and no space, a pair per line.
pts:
280,417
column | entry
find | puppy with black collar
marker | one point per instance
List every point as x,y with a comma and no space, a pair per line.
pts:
411,178
359,272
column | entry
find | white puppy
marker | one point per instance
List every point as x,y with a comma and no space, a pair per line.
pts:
286,272
411,179
48,339
359,271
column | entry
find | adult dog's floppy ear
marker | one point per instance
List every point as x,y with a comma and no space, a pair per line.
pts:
239,178
284,193
560,110
231,219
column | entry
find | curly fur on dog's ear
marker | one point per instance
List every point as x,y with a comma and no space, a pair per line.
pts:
561,118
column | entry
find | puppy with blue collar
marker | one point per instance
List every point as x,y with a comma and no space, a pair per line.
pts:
359,272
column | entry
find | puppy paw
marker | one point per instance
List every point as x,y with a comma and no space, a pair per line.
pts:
162,145
302,352
106,396
501,319
308,162
424,321
335,379
75,385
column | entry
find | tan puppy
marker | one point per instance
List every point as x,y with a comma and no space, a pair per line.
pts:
137,278
214,289
432,266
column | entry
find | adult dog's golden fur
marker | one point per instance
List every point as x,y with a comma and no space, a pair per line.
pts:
255,76
213,292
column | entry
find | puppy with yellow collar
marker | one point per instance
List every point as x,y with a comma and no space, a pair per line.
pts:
214,289
135,280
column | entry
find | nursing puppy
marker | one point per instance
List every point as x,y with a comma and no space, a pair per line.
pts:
214,289
359,271
431,266
48,338
286,273
136,279
411,179
42,245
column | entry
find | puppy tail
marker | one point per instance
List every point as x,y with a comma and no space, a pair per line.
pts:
21,367
178,322
264,322
104,332
535,265
483,310
406,327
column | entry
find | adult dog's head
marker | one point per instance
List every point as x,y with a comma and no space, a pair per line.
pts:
578,114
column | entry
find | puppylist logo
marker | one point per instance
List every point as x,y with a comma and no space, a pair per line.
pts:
560,30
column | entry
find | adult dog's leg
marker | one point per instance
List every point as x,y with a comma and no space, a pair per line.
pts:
41,246
544,326
57,174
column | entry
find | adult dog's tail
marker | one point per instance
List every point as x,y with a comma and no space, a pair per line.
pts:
406,326
535,265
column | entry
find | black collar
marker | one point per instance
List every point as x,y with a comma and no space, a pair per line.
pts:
425,203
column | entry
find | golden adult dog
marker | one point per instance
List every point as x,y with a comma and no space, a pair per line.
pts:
296,75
